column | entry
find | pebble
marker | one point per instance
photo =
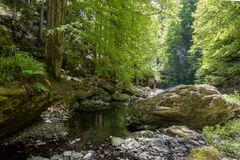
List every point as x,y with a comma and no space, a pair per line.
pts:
37,158
56,157
67,154
77,155
89,155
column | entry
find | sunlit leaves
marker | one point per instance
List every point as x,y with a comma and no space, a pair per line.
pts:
216,34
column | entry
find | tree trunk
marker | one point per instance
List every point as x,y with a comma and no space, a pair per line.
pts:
54,49
14,14
41,25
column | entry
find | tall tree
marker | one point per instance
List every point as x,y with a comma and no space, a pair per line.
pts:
176,42
54,44
120,36
217,38
41,21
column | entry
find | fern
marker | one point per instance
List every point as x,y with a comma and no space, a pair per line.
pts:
29,66
40,87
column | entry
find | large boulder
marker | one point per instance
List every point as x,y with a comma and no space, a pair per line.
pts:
191,105
18,109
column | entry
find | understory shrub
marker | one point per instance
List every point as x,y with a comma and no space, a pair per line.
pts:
20,67
30,68
9,69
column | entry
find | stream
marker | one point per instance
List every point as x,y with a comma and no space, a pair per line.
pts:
80,131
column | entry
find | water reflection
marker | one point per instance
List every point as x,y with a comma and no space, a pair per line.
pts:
95,127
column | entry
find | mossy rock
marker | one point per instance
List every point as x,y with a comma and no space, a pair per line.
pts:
82,94
5,36
205,153
107,86
92,105
121,97
191,105
12,91
18,109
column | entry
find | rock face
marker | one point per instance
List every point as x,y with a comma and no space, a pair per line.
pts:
191,105
18,109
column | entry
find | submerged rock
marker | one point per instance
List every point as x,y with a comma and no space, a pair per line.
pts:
18,109
190,105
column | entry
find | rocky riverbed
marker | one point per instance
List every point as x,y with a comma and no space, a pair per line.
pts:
53,138
142,145
71,135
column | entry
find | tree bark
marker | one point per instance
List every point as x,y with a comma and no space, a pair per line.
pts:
54,45
14,14
41,25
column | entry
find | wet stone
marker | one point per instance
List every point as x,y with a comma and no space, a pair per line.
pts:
56,157
89,155
37,158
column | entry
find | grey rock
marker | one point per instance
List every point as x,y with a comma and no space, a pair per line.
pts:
89,155
182,131
56,157
116,141
77,155
67,153
121,97
191,105
38,158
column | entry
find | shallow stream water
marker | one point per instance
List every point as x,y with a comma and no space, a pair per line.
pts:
84,131
95,127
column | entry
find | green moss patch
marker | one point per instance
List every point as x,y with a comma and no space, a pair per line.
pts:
205,153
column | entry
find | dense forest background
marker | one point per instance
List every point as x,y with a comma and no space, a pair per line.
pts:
124,42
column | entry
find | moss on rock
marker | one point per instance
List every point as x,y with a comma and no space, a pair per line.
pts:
3,98
12,91
191,105
18,109
205,153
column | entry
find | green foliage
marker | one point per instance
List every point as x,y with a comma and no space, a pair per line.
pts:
226,138
9,69
29,66
40,87
7,47
175,44
234,98
216,36
19,67
120,37
78,64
